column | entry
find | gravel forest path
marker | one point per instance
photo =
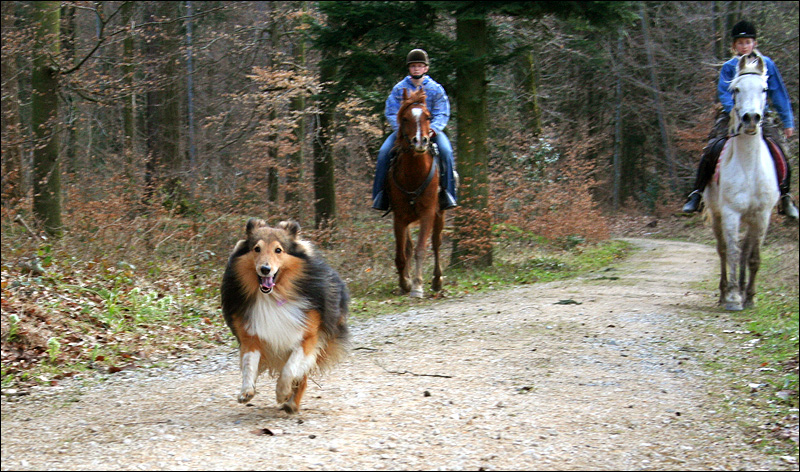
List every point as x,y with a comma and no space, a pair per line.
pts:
603,372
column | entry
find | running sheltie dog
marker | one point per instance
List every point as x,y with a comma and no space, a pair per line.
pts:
286,307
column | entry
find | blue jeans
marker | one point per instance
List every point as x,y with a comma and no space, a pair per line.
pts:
446,179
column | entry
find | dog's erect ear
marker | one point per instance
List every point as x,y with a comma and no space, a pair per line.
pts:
239,246
292,227
254,223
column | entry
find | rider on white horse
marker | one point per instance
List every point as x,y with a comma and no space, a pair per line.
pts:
744,42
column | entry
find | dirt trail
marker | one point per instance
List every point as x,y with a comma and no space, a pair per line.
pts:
515,379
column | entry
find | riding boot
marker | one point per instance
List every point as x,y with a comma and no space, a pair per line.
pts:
705,170
381,201
380,198
693,203
787,208
446,201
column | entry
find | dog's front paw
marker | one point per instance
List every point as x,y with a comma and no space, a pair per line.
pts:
283,390
246,395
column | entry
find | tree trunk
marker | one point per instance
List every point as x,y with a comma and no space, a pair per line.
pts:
324,180
732,15
273,176
165,162
294,174
531,105
129,101
617,159
44,117
719,33
190,97
660,113
70,142
472,239
13,173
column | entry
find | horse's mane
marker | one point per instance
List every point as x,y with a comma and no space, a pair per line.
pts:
749,65
417,96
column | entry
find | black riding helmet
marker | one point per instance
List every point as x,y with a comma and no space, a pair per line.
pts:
743,29
417,55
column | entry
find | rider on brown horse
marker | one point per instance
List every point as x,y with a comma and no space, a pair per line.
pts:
744,42
439,107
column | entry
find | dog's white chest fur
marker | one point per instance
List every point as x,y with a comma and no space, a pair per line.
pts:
280,325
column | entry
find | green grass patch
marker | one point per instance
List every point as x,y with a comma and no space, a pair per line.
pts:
758,365
775,322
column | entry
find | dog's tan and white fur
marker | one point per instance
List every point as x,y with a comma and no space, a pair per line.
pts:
287,308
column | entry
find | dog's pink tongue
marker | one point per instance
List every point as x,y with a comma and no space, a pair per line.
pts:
267,282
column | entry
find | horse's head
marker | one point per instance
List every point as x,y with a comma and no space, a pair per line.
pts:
749,89
414,121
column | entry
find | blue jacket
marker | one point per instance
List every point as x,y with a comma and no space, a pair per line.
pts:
776,90
435,99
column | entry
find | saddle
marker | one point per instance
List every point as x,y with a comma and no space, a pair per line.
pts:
775,150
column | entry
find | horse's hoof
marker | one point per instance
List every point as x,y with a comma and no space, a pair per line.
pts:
436,286
415,294
734,307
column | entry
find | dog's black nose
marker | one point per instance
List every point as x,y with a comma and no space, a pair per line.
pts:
264,269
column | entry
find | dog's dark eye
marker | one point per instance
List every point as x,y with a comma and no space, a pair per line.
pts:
278,250
257,249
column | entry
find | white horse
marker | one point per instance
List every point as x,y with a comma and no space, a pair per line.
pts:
744,189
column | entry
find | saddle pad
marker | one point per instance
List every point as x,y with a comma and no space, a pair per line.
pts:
716,169
777,156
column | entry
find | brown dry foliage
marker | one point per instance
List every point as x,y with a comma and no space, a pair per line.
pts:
552,199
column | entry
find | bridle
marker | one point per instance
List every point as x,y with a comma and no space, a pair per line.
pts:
408,142
735,92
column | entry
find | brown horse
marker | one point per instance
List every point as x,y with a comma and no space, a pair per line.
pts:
413,190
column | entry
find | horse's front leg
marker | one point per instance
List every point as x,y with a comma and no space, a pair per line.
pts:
436,242
722,252
744,265
425,227
753,264
733,292
401,240
754,261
